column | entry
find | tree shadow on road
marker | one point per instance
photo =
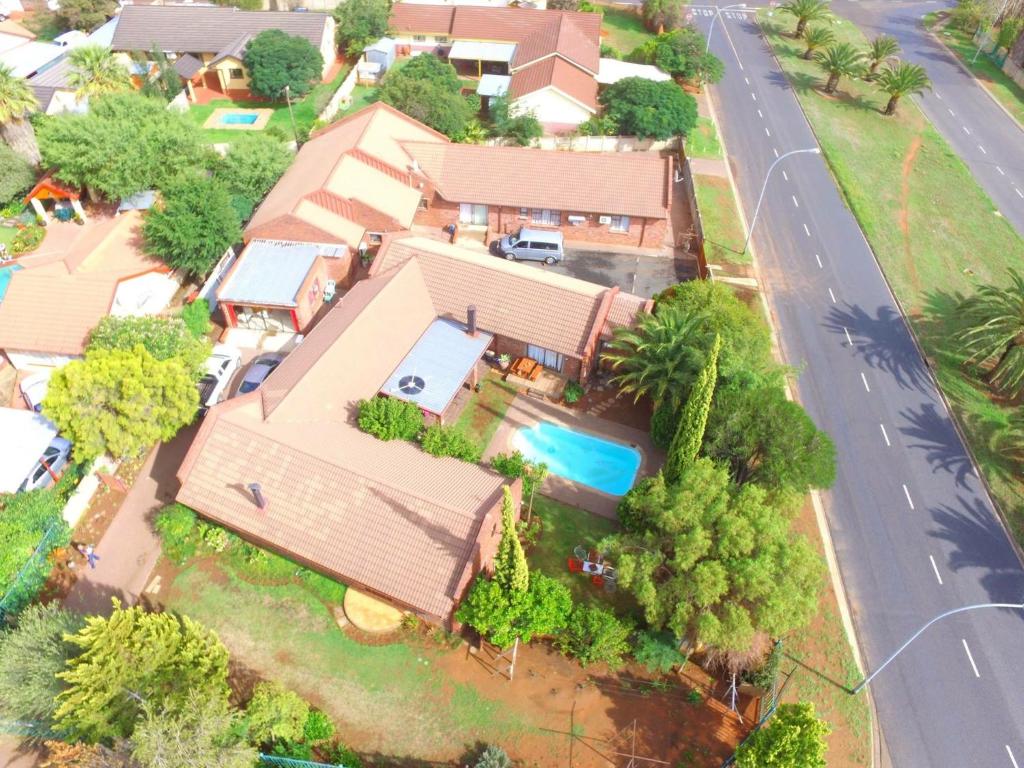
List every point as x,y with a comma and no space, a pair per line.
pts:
932,431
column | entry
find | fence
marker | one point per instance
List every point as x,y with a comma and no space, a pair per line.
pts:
343,94
1000,56
772,701
597,143
290,762
33,573
685,178
209,289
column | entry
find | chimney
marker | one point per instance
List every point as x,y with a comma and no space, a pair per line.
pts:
257,494
471,320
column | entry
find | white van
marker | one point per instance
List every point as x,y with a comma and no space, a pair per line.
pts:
532,245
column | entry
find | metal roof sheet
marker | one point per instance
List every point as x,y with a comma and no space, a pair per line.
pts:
476,51
269,273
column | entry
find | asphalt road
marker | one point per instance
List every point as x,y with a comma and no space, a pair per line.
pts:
984,136
914,532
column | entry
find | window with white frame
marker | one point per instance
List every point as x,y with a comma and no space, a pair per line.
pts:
524,213
546,217
419,38
442,38
619,224
236,74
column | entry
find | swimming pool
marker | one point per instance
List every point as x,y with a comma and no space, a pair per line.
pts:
6,273
602,464
239,118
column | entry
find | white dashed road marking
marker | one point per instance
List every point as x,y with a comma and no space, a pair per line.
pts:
951,112
1001,171
906,493
817,258
759,114
746,80
936,569
768,133
753,96
966,129
864,379
982,149
795,203
885,434
1019,193
807,230
775,151
785,176
1012,758
970,658
848,339
831,295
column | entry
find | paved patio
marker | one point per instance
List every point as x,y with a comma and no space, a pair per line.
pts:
525,412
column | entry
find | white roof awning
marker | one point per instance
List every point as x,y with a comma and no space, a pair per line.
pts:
612,70
24,436
493,85
472,51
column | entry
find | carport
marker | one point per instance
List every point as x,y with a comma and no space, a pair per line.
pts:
490,58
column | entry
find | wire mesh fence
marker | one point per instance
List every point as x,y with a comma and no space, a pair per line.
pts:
31,577
291,762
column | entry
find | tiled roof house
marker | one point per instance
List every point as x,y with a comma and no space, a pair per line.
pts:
550,58
384,517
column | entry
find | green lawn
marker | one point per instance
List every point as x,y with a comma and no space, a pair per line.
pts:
485,410
1009,94
703,141
623,29
935,232
723,232
7,235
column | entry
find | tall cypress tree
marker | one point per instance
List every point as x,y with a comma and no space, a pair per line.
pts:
690,432
510,569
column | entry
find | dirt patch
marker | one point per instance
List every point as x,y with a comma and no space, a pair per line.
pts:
606,401
904,215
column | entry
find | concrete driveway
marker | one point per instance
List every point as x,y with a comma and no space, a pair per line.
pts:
638,273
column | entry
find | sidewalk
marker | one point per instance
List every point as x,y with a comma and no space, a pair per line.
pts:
129,549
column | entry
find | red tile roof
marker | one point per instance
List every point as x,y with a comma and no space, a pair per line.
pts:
620,183
558,73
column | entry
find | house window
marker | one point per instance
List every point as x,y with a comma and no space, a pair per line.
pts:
545,357
375,238
619,224
236,74
442,38
419,38
423,204
524,213
577,220
546,217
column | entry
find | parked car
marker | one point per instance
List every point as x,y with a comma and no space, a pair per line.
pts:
33,389
50,465
532,245
220,368
261,367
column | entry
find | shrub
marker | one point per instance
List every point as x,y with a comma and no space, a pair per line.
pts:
449,441
513,465
595,635
764,676
163,337
341,754
658,651
318,727
573,392
609,51
27,239
294,750
17,178
388,418
196,316
664,421
275,714
177,526
493,757
24,520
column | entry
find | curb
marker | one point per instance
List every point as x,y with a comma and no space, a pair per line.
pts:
835,576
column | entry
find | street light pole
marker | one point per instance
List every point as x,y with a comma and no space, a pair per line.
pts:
913,637
767,176
713,20
288,98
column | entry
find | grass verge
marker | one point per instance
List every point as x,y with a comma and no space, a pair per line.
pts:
623,29
703,142
935,233
483,413
7,235
723,233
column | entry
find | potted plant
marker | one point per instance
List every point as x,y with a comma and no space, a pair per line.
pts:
504,360
572,393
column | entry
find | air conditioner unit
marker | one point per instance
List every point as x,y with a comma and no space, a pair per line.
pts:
604,219
577,220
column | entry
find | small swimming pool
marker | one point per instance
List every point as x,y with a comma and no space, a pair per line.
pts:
6,273
602,464
239,118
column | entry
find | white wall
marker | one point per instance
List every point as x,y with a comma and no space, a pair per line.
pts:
24,360
146,294
550,106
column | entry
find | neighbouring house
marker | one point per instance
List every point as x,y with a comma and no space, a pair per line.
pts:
59,295
206,44
22,53
51,84
385,517
549,60
621,198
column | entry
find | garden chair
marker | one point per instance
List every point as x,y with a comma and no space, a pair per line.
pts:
575,565
580,552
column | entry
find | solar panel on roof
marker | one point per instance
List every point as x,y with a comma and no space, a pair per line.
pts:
411,385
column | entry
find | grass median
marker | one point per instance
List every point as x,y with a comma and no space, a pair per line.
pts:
935,232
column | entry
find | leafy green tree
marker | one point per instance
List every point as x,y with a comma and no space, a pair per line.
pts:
32,652
388,418
690,432
839,60
428,68
438,440
85,15
520,129
275,714
647,109
95,70
510,570
902,79
121,146
428,89
317,728
203,732
658,652
193,227
177,526
714,563
882,49
253,165
18,176
135,658
17,101
993,334
120,401
165,338
764,438
543,610
683,54
595,636
163,84
815,38
806,11
196,317
360,23
661,15
793,738
277,60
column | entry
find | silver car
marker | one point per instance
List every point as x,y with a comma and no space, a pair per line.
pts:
261,367
50,465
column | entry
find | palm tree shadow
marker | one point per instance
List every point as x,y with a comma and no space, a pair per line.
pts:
935,434
883,341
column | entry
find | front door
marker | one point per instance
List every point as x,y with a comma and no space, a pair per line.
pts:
212,81
471,213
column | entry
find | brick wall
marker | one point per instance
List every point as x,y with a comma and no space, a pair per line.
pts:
644,233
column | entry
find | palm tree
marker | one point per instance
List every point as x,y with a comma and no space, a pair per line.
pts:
96,70
660,356
900,79
883,48
806,11
16,101
838,60
817,37
994,330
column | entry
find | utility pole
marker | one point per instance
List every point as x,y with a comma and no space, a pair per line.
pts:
757,208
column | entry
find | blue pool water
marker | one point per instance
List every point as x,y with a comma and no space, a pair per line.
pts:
5,277
601,464
239,118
